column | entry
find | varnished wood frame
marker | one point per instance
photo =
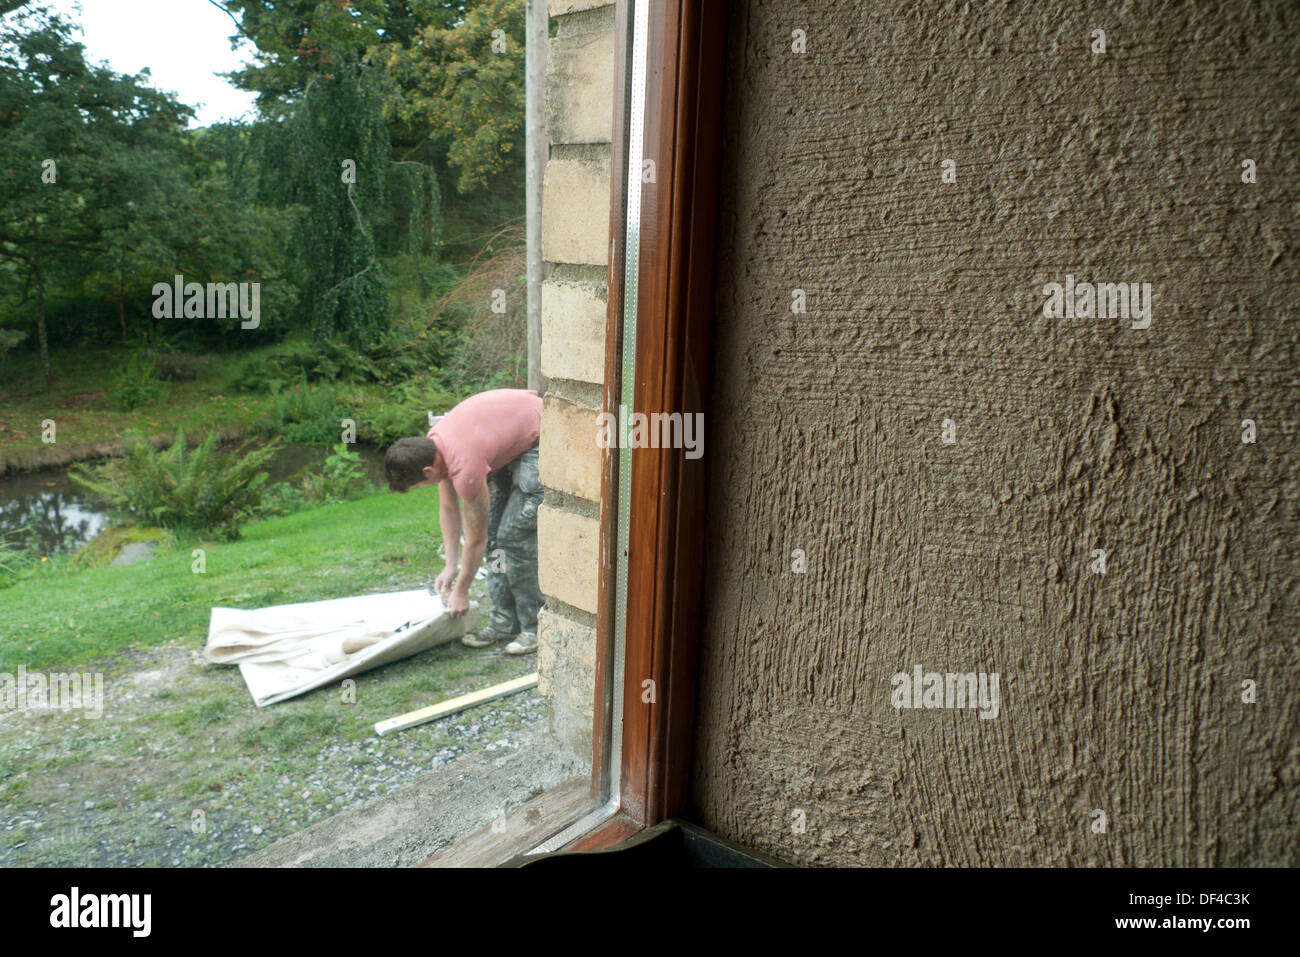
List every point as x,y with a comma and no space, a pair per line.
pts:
665,560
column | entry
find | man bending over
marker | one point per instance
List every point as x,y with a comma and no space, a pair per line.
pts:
484,453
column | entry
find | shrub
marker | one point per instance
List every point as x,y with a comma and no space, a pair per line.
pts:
385,424
282,498
254,377
136,384
309,414
342,477
345,473
200,489
314,362
403,411
180,366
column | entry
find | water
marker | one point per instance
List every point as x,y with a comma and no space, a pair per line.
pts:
51,510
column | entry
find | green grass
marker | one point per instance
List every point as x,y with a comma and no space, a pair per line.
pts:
62,615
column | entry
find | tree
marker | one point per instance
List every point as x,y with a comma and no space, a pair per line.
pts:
333,153
460,87
323,95
70,136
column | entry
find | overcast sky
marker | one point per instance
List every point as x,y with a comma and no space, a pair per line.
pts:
184,43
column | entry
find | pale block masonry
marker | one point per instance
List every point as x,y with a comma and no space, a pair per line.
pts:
566,661
570,459
575,211
573,330
575,246
580,88
570,546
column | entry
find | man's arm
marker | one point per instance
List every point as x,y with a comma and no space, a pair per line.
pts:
476,522
449,525
449,521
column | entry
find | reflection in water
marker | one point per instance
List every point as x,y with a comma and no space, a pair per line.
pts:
49,510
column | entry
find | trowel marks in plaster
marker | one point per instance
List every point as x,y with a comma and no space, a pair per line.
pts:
1122,690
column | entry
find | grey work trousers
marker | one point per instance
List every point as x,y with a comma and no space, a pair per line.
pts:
515,492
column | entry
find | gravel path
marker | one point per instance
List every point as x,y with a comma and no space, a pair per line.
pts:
147,786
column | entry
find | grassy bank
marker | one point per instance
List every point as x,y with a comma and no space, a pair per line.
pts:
87,423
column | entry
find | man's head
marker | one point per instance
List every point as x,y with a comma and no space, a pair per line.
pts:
411,463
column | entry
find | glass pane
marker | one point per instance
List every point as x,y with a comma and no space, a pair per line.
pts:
299,525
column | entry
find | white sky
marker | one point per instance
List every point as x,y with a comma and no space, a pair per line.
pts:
184,43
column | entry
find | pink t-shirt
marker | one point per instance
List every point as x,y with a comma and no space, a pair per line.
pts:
485,432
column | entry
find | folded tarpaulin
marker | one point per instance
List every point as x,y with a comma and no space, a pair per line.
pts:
286,650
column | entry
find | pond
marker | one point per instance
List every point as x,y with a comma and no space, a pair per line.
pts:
51,510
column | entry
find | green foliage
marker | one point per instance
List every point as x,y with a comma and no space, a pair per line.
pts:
309,414
385,424
342,477
345,472
17,562
402,411
179,366
281,498
201,489
136,384
464,82
297,362
107,193
414,93
331,157
262,373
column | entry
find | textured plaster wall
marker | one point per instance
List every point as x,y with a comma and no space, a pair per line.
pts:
1121,693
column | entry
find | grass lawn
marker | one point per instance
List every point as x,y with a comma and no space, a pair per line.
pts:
179,736
63,615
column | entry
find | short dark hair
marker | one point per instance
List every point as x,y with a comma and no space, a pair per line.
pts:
406,460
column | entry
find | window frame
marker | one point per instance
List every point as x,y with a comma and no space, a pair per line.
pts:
684,69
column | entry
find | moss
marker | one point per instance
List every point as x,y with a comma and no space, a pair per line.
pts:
108,544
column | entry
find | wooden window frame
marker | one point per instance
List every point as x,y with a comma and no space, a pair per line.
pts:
664,564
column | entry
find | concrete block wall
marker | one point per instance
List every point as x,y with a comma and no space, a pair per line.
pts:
575,240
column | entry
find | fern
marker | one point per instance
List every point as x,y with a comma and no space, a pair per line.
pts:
198,489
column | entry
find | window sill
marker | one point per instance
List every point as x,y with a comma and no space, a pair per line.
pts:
522,830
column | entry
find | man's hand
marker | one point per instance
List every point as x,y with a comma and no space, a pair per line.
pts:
457,603
442,584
